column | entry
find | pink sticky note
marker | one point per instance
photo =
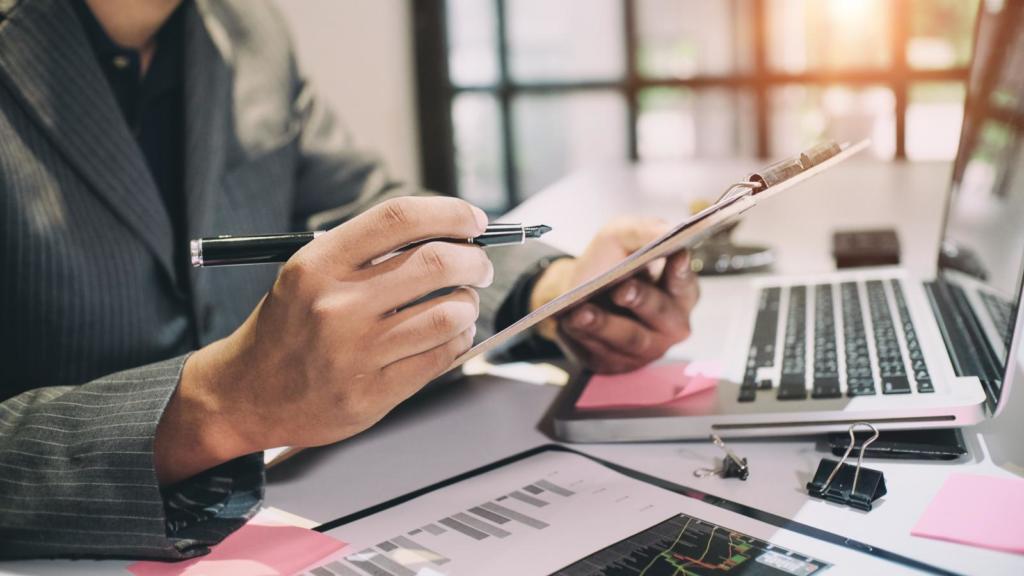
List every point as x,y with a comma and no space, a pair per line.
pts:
978,511
254,550
650,386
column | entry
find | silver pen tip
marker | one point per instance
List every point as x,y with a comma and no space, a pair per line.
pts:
537,231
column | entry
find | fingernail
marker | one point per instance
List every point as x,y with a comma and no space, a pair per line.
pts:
472,331
629,294
584,318
481,218
490,278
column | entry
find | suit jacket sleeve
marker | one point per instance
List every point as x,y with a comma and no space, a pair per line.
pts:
337,181
77,475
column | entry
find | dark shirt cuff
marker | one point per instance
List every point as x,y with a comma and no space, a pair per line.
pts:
204,509
529,345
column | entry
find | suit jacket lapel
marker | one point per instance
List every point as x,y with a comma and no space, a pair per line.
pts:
48,62
208,80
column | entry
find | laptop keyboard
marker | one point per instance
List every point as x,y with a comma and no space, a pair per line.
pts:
826,353
1001,313
921,374
762,347
859,380
867,362
792,384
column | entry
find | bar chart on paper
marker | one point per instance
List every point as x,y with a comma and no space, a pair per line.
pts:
541,515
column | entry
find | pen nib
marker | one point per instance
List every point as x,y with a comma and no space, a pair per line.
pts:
537,231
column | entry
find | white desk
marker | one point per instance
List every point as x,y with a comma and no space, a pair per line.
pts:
482,419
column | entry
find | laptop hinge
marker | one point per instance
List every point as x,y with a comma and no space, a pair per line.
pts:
965,341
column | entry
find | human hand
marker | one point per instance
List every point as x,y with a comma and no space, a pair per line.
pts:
325,354
635,322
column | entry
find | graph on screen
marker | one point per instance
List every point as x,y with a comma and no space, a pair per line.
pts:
688,546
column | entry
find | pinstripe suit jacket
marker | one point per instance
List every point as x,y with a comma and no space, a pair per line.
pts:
94,330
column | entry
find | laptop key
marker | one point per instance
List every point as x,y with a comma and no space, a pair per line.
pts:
792,390
860,387
747,393
895,385
826,388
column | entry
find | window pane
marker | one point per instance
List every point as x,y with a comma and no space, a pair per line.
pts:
565,40
934,115
472,42
686,38
479,150
556,134
828,34
804,115
682,123
941,33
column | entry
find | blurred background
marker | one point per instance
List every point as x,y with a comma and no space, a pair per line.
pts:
495,99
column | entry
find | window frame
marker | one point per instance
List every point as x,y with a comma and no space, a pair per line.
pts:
437,93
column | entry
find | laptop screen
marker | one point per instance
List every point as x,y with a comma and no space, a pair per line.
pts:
982,257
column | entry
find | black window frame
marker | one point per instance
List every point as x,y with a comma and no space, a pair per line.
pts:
436,92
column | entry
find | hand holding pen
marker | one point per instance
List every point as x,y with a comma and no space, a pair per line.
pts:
334,345
236,250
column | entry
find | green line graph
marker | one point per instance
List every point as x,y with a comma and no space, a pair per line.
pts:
687,546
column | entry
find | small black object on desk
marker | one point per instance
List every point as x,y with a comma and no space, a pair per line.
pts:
732,465
855,248
842,483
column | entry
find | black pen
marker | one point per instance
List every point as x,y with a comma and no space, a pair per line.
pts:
234,250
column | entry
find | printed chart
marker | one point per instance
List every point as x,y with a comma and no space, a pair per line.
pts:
546,512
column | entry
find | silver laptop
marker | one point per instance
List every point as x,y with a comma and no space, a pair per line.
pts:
873,344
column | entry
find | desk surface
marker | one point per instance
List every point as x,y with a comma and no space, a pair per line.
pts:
482,419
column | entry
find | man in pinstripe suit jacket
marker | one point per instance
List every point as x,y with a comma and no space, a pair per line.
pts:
115,438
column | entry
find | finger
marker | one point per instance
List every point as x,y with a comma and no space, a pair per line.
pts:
680,280
393,224
654,307
428,325
411,373
598,356
619,333
424,270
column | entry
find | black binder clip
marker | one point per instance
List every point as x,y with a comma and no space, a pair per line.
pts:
845,484
732,465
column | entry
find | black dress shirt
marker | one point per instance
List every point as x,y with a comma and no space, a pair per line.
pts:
153,107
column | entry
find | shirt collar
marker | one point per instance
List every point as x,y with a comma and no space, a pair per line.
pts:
165,70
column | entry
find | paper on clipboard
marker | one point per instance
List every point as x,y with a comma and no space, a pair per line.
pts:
686,234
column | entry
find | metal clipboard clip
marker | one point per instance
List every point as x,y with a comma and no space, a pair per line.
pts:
842,483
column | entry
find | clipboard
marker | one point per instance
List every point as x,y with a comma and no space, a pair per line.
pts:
733,203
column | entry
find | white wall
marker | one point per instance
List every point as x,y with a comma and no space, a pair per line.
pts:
360,55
